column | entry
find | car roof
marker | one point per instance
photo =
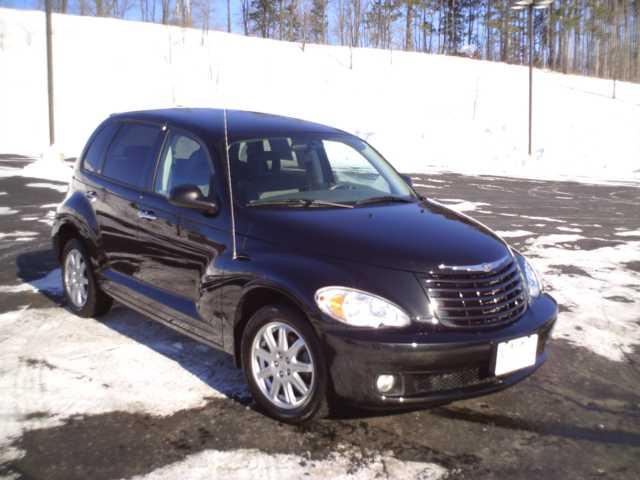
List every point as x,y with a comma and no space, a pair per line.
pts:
209,122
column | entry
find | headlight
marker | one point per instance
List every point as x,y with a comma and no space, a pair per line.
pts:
360,309
534,286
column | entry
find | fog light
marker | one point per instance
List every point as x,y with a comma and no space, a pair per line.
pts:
385,383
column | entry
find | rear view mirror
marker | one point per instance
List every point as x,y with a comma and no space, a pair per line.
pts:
190,196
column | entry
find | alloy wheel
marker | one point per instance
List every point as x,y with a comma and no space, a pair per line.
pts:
282,365
76,280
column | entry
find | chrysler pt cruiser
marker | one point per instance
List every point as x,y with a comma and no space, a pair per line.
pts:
300,251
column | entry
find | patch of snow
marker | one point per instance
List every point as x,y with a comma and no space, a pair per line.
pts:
629,233
59,188
569,229
546,219
427,186
50,205
3,193
249,464
513,233
459,204
7,210
21,287
466,206
17,233
121,363
606,327
554,239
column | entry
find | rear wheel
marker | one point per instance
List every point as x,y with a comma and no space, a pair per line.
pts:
81,291
283,366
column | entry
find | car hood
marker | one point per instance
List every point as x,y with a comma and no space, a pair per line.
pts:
407,236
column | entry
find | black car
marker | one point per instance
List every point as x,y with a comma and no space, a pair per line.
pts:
300,251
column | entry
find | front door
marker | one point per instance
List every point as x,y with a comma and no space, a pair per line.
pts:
180,246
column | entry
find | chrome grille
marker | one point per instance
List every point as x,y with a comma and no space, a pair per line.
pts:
477,296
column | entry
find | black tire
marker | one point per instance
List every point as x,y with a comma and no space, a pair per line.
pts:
316,404
97,302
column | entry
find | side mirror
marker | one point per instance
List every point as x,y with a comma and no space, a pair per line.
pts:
407,178
190,196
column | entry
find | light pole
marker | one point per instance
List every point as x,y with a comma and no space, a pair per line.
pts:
530,5
52,130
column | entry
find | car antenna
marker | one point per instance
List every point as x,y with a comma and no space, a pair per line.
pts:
230,186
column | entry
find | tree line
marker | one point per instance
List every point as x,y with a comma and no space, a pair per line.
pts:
590,37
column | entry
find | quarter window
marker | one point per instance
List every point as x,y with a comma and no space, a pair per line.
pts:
184,162
132,154
95,153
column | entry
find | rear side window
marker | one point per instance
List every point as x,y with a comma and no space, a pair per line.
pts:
132,154
95,153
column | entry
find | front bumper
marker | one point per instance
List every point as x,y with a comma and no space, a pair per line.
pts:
430,367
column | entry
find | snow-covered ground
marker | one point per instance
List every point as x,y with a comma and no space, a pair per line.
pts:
426,113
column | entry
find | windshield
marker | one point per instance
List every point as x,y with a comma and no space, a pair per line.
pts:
312,170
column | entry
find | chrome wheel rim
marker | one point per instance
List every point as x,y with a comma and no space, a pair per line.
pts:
282,365
76,281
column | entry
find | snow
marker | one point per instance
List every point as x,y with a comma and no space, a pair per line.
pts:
545,219
417,109
7,210
597,319
43,168
58,188
62,364
514,233
460,205
629,233
17,233
248,464
570,229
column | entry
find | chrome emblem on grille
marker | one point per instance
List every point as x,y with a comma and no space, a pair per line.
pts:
482,267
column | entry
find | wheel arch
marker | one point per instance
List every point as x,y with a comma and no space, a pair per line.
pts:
253,299
66,229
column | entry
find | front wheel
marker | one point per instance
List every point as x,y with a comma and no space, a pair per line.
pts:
282,362
81,291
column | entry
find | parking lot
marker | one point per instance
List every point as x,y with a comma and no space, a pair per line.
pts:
122,396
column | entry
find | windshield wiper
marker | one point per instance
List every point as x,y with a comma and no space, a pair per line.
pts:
383,199
299,202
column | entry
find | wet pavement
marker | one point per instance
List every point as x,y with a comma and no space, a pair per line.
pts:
578,417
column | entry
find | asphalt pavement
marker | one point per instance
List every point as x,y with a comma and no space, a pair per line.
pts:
578,417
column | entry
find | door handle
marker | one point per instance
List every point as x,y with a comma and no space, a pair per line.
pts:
146,215
91,195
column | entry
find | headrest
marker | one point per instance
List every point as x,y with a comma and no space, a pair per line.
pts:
257,160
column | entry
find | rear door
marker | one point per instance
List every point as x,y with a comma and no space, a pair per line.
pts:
125,172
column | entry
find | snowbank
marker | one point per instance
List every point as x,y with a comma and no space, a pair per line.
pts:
424,112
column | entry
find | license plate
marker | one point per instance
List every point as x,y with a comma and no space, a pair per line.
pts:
516,354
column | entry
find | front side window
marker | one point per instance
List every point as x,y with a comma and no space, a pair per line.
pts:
184,162
95,153
131,156
336,168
